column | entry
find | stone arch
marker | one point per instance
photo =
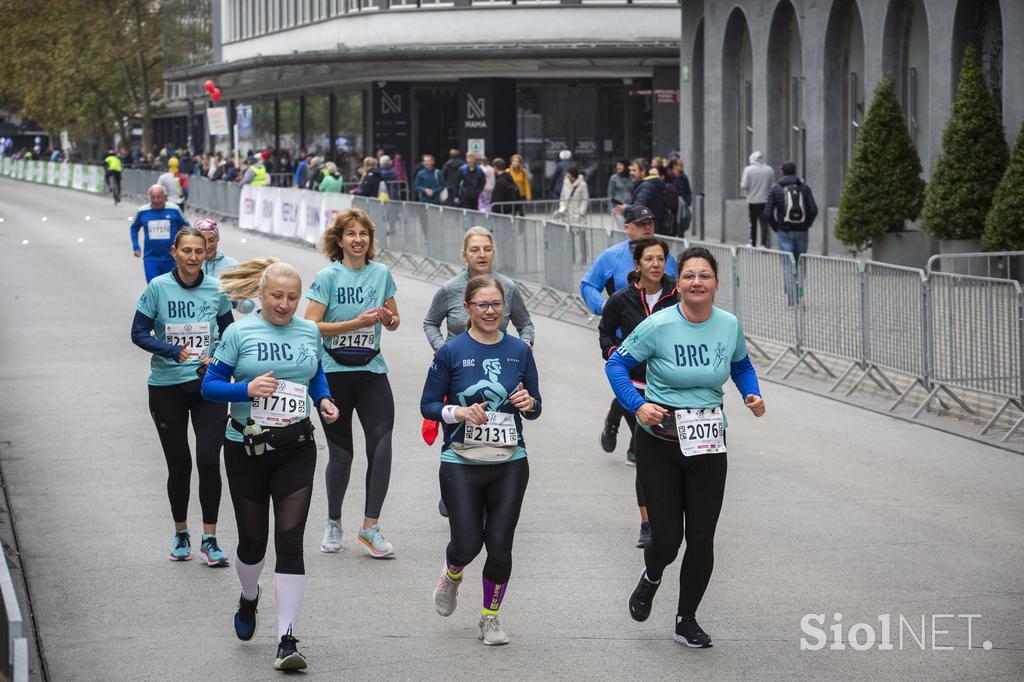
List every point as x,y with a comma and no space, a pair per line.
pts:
695,166
980,23
905,54
844,92
737,101
785,88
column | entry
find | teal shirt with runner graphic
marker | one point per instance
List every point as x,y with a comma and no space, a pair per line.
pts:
254,347
348,292
687,363
179,316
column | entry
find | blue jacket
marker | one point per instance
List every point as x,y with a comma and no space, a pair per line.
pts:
429,179
775,208
651,193
300,173
610,272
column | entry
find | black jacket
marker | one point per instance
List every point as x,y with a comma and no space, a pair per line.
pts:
505,189
370,185
624,311
651,193
775,208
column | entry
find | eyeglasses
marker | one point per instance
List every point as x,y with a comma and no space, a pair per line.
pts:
484,306
702,276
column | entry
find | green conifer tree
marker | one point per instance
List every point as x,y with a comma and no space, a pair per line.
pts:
972,162
1004,226
883,187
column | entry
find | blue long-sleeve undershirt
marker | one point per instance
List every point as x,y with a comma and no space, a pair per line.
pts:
218,387
142,328
619,364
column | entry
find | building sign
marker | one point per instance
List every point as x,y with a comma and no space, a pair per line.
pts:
217,120
476,111
391,117
476,145
243,119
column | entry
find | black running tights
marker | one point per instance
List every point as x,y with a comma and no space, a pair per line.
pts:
283,476
469,490
171,407
682,493
368,395
615,413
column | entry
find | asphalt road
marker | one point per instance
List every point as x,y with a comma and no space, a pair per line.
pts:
829,510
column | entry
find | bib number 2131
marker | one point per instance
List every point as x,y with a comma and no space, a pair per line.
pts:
701,431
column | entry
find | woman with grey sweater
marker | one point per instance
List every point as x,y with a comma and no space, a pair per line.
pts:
447,307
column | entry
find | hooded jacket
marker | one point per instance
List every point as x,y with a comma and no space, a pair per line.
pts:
651,193
757,179
775,208
624,311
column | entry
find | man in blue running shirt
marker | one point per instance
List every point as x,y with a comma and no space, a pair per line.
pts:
161,220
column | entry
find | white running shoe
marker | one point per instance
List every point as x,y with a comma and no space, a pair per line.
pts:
373,542
446,593
491,633
332,538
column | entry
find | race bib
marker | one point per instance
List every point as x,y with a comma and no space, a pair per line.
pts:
287,405
159,229
499,431
701,431
359,338
194,336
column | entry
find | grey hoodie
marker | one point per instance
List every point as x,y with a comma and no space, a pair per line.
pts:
447,307
757,180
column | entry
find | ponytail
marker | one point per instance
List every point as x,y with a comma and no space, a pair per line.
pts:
247,280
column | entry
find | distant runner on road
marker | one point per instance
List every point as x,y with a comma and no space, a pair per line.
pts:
160,222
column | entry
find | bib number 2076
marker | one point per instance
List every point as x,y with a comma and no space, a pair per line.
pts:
701,431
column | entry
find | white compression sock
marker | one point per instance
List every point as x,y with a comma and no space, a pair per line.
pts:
249,576
289,589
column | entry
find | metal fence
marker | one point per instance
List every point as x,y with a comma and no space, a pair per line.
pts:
13,644
997,264
951,338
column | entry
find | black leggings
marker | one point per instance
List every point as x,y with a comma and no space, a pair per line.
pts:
284,476
469,490
681,489
756,214
616,412
170,407
369,395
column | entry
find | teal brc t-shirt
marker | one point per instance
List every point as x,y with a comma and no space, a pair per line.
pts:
254,346
168,303
348,292
687,363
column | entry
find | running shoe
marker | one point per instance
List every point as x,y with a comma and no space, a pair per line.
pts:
441,509
645,535
374,543
332,538
609,436
491,633
446,593
630,458
211,553
642,599
245,618
181,550
288,656
691,634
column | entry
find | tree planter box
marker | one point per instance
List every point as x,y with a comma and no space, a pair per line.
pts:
910,248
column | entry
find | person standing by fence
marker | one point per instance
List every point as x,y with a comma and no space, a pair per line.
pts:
756,183
430,184
521,177
790,211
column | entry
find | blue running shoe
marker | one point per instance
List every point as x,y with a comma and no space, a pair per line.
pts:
181,550
288,656
211,553
245,618
373,542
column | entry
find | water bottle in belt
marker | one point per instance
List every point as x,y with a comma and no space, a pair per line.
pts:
251,431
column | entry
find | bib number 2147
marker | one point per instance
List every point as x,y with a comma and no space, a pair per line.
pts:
701,431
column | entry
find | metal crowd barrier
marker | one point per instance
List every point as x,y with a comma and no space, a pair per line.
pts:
943,334
996,264
13,644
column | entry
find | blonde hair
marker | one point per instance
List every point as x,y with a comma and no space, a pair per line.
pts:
476,231
247,280
330,242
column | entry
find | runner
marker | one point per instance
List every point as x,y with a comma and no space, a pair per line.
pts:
651,289
609,273
161,221
113,175
269,451
350,300
174,321
690,350
217,262
481,384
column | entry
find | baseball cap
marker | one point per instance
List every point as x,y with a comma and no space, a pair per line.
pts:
207,226
637,213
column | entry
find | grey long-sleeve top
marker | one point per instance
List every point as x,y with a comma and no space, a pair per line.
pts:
447,307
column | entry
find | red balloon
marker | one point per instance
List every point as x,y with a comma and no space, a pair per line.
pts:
209,86
215,95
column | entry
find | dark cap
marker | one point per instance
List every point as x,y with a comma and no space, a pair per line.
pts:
637,213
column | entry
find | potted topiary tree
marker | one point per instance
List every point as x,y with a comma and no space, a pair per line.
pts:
883,188
1004,225
972,162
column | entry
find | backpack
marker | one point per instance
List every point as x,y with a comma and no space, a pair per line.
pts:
794,214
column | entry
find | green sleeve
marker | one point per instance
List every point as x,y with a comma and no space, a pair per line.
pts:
148,303
227,349
740,351
640,344
390,288
318,290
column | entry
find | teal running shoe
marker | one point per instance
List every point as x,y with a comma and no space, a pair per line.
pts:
288,656
211,553
245,618
373,542
181,550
